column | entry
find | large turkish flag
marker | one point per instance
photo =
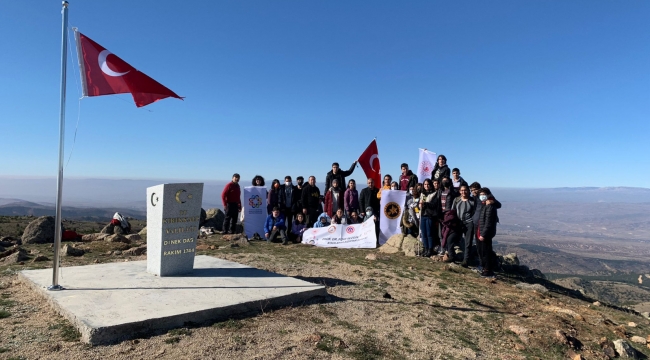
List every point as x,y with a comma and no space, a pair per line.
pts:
103,73
369,162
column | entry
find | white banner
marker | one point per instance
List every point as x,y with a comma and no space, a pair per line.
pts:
254,210
357,236
425,164
390,218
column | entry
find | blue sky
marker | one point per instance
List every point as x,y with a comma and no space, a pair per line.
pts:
514,93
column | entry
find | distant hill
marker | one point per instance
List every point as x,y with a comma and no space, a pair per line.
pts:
21,208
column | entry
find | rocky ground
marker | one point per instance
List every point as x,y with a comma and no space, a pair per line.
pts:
378,306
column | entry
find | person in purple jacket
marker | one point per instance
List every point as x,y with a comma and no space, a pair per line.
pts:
351,198
298,228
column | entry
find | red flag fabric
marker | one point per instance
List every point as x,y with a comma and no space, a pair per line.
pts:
369,162
103,73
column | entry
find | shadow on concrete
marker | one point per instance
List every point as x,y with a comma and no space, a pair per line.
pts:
193,287
327,281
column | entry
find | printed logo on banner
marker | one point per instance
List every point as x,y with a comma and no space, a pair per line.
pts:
255,201
331,229
392,210
426,167
349,229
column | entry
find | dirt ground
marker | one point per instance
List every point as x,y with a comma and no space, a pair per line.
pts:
395,307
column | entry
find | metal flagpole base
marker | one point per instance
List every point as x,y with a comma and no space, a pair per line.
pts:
55,288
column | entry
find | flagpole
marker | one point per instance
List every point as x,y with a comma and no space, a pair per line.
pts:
59,180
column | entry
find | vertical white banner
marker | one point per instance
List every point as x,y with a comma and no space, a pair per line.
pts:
425,164
254,205
392,206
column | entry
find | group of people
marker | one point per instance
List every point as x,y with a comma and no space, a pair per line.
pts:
443,211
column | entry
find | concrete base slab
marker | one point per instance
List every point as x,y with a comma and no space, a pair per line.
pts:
116,301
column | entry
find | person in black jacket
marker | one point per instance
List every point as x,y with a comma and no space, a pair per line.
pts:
310,201
440,169
475,188
485,232
368,199
289,197
337,173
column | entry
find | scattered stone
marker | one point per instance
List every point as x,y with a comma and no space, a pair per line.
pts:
17,256
573,355
393,245
212,247
520,347
40,258
609,352
387,296
620,332
39,231
8,241
69,250
631,324
136,251
624,349
233,237
117,252
519,330
202,247
314,338
536,287
646,314
93,237
214,218
134,237
371,257
569,312
511,259
411,246
596,303
117,238
143,232
561,337
522,315
639,340
108,229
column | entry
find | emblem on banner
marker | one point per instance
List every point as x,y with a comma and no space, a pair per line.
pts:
426,167
331,229
392,210
255,201
349,229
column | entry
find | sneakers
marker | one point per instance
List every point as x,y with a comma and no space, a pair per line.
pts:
487,274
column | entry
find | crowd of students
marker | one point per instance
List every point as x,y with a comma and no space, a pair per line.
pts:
443,211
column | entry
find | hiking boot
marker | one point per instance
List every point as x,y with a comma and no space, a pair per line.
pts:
464,264
284,241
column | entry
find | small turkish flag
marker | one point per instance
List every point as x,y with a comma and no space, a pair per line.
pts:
103,73
369,162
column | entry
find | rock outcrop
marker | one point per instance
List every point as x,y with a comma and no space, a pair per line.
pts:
214,218
409,245
39,231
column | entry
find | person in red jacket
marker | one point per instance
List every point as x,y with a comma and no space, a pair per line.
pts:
231,204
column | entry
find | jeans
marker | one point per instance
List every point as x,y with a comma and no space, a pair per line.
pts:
428,231
470,234
488,258
281,233
232,213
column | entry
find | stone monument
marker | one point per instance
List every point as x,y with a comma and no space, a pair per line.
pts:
173,212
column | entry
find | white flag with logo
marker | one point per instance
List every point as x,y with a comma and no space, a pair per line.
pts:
425,164
254,210
390,213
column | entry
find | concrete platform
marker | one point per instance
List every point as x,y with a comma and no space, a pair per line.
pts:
112,302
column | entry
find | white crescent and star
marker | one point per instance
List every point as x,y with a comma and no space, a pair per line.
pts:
104,66
372,158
